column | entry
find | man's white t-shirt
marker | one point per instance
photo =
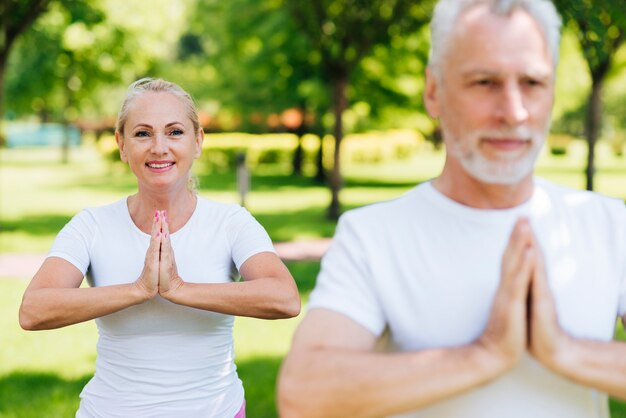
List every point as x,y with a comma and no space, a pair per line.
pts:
160,359
426,269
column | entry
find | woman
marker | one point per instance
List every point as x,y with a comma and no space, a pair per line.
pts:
159,266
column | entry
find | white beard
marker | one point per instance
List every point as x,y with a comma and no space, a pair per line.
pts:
503,170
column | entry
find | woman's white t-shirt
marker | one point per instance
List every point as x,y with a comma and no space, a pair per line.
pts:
160,359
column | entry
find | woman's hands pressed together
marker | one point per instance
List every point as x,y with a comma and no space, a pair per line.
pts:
159,274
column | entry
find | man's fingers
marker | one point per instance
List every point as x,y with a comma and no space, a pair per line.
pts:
521,239
518,260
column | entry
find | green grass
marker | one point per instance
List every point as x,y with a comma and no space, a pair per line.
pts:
42,373
38,195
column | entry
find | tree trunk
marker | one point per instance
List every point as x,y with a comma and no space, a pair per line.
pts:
340,103
296,162
320,176
65,143
3,138
298,154
593,125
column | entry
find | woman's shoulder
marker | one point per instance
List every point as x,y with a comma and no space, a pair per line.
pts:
109,209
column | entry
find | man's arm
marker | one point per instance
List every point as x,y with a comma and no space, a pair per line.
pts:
598,364
333,370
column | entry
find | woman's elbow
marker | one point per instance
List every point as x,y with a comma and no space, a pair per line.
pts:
26,319
291,305
292,308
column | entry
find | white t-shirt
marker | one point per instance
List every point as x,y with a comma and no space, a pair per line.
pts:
160,359
426,268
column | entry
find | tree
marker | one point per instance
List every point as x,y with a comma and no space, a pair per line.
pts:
258,64
343,33
601,29
62,59
16,16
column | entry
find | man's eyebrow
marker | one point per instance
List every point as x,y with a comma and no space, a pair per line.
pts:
538,73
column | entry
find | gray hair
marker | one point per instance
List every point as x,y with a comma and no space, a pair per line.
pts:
447,13
156,85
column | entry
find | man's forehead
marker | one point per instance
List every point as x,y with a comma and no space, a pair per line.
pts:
481,35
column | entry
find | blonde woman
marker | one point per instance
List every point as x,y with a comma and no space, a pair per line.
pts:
159,266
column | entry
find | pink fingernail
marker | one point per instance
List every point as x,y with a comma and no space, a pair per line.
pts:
165,215
166,235
156,215
158,234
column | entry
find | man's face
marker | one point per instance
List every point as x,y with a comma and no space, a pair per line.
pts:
494,95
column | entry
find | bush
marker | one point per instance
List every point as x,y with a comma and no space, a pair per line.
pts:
559,144
220,151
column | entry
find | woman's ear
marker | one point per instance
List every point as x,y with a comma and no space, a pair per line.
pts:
121,145
199,141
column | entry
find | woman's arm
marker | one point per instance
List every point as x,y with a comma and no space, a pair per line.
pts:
268,290
55,299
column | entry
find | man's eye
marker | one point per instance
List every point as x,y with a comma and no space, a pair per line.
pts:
533,83
484,82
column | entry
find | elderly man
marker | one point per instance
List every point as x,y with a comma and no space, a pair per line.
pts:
486,292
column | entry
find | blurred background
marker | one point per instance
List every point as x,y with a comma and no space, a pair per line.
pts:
310,108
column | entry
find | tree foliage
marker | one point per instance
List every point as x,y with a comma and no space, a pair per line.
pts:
600,26
343,33
16,16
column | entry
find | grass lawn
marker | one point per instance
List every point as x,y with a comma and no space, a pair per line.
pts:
42,373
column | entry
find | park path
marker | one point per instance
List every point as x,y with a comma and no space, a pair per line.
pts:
25,265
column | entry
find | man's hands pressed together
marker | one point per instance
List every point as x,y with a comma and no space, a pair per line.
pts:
523,314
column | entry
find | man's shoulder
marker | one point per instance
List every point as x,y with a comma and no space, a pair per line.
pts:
579,202
575,196
387,211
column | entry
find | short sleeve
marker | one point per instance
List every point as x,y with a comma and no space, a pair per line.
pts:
345,283
74,241
247,237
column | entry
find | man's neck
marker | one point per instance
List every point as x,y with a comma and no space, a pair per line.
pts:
471,192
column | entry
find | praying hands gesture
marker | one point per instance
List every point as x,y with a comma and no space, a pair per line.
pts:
159,274
524,318
523,315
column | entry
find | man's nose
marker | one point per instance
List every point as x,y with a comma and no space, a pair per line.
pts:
513,108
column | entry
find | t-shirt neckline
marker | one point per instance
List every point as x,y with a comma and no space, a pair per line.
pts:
443,202
173,234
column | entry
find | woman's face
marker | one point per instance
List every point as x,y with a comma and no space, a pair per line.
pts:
159,142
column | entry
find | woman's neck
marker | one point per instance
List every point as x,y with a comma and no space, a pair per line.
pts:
179,207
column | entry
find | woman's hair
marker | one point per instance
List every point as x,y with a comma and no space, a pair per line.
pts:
447,12
156,85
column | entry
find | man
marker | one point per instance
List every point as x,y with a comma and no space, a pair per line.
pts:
497,292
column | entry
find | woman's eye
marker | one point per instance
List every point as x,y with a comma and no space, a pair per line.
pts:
176,132
142,134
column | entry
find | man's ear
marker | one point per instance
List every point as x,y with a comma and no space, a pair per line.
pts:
431,99
121,145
